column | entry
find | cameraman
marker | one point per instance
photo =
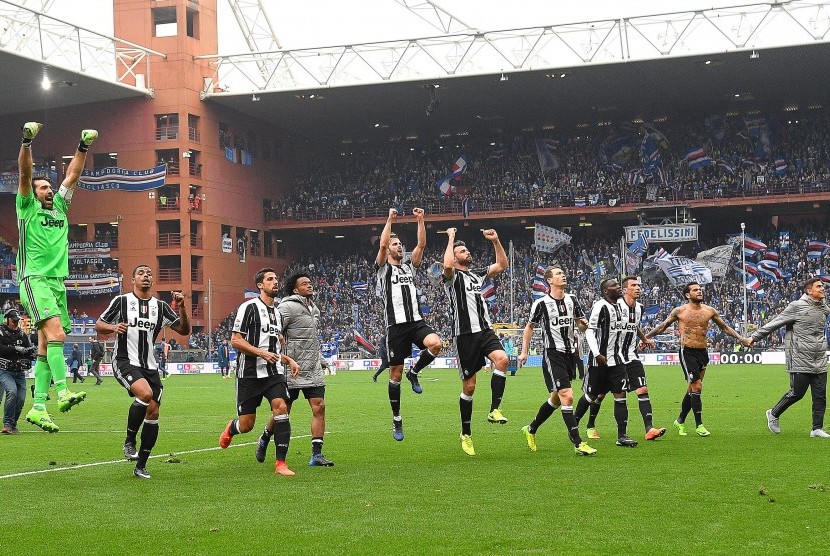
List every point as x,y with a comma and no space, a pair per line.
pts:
16,354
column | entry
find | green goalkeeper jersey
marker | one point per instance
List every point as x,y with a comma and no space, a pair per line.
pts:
44,238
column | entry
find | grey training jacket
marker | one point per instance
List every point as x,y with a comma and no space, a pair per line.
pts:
805,345
301,327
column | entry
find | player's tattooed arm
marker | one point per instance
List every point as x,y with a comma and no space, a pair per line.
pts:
660,328
717,319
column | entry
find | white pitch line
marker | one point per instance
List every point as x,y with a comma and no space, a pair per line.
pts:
122,460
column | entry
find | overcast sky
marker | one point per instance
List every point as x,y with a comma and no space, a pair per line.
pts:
309,23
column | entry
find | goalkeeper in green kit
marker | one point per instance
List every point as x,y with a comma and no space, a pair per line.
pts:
43,265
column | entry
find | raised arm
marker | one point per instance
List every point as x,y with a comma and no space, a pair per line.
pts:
418,252
449,257
501,257
24,159
181,326
385,236
665,324
76,166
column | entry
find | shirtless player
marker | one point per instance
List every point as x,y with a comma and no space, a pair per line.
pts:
694,318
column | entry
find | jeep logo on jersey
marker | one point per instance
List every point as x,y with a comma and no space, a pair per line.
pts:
141,323
474,287
402,280
561,321
271,329
48,222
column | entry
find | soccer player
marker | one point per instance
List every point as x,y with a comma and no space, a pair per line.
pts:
694,318
606,363
806,354
301,329
260,372
404,322
384,359
472,329
559,314
137,318
42,266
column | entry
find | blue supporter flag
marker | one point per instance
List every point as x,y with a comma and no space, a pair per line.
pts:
697,159
445,185
781,167
360,286
640,246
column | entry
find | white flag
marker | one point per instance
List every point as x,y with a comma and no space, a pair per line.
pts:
548,239
682,270
717,259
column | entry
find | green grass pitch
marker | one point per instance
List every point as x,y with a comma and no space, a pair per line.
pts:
742,490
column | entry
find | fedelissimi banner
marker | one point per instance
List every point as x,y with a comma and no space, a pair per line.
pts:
108,179
669,233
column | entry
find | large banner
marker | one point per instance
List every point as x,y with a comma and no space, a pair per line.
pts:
89,252
549,240
682,270
669,233
107,179
9,180
83,285
717,259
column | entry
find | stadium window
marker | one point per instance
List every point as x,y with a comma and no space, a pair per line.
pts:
192,17
164,22
167,126
193,128
104,160
224,136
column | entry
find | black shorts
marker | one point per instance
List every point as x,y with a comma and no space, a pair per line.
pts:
250,391
601,380
308,392
127,375
558,370
473,348
636,375
693,361
400,337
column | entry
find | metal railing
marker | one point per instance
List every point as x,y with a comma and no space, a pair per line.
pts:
172,167
58,43
196,241
168,204
196,275
194,135
166,241
633,199
168,275
194,169
167,132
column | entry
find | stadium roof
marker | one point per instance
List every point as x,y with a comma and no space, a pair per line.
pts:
770,80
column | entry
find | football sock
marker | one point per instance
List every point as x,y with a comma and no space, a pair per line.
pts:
135,416
571,424
497,384
697,408
234,428
149,435
43,376
645,409
581,408
621,415
545,411
317,445
395,397
423,360
282,435
685,408
465,404
596,405
54,355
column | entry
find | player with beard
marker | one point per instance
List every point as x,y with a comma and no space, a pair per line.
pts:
137,318
260,367
559,314
472,329
694,318
404,322
42,267
606,363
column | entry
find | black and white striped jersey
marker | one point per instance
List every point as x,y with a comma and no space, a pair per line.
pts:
630,322
603,334
144,319
398,291
469,310
260,326
558,319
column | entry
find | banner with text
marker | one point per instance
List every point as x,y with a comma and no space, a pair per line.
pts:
89,252
682,270
84,285
107,179
668,233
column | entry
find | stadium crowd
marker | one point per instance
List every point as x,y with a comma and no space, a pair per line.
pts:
612,166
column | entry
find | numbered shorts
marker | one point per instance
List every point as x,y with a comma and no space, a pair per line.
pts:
636,375
693,361
250,391
44,297
601,380
400,337
127,375
558,370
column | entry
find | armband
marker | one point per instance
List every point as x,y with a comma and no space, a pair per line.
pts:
66,193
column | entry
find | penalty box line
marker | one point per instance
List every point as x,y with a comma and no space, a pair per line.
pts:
122,460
